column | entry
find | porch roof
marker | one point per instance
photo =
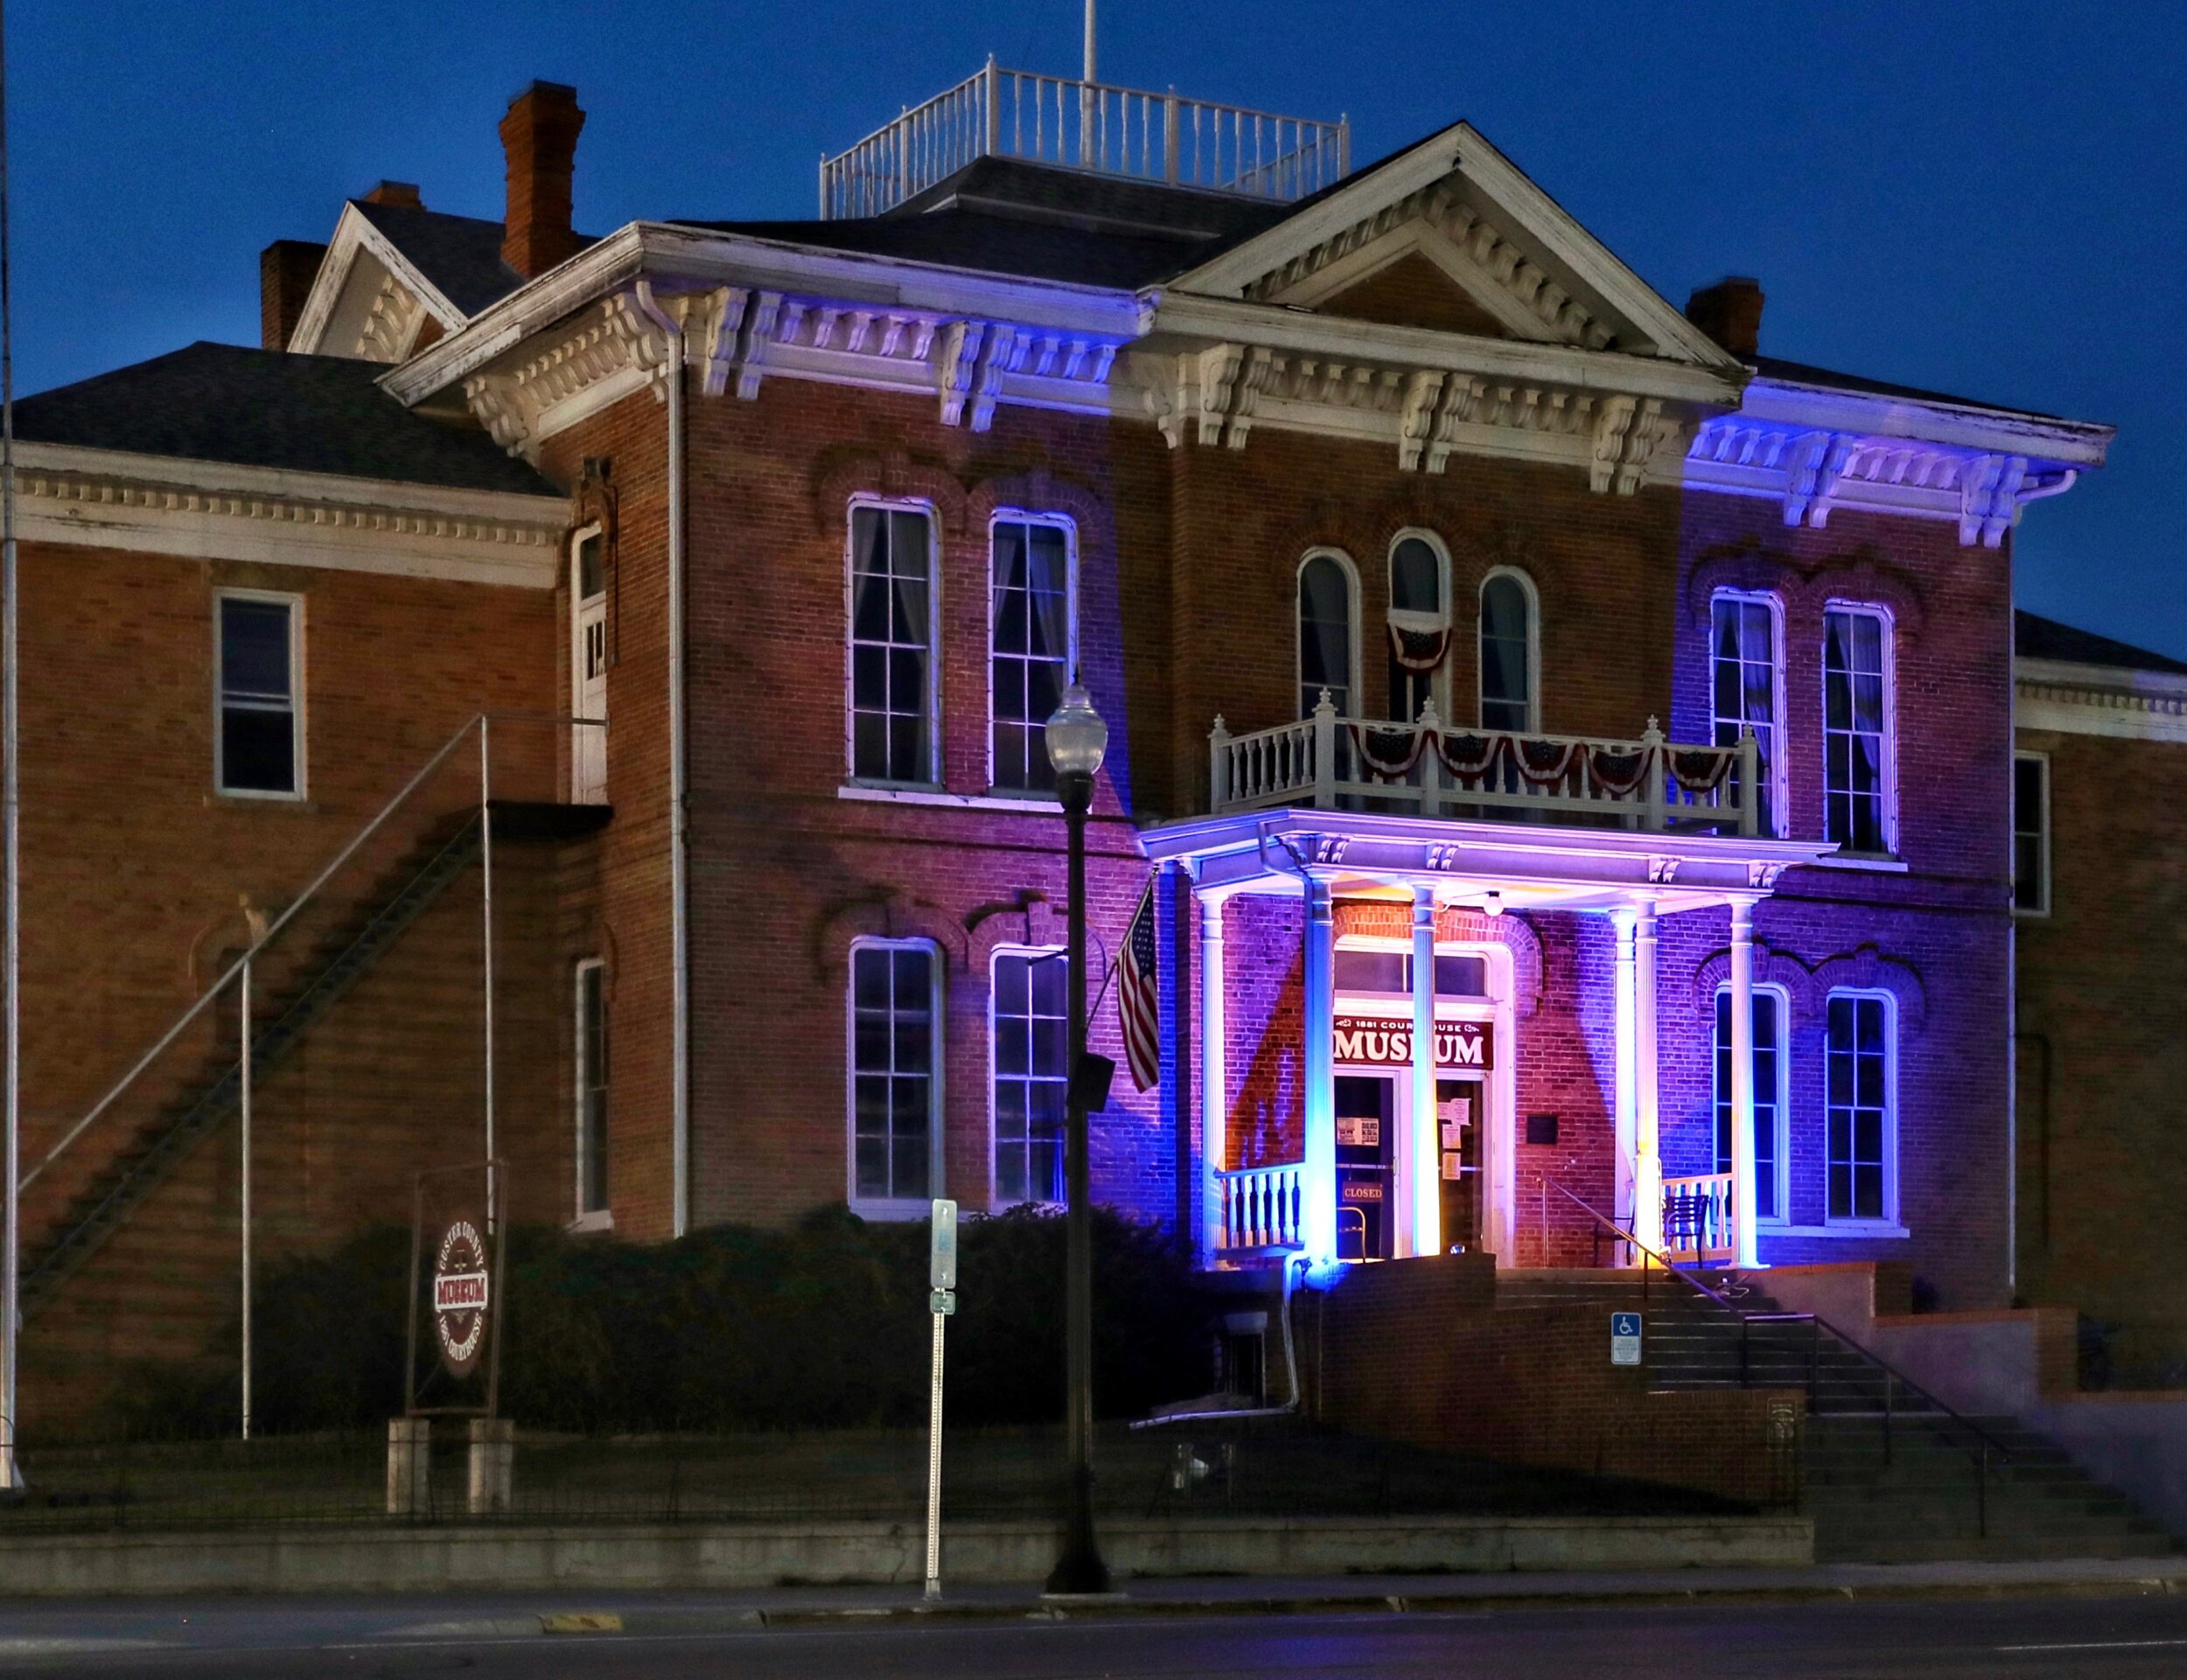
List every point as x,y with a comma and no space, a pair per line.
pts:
1494,865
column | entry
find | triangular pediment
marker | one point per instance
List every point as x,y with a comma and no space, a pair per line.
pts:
1511,261
369,302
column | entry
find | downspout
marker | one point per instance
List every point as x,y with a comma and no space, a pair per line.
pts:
672,332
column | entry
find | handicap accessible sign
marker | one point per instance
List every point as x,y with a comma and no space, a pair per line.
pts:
1625,1338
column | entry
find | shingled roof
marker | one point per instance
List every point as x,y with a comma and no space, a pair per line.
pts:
460,255
267,409
2035,637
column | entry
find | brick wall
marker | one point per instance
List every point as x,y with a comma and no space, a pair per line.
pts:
2103,1051
1411,1351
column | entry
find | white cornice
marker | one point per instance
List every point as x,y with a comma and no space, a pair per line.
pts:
695,259
1931,420
353,233
202,510
2073,699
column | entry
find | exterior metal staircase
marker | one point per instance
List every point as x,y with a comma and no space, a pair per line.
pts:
213,1098
1889,1473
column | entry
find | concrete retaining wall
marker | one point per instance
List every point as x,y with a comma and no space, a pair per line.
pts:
396,1558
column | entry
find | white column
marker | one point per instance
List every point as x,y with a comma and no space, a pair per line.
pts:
1743,1081
1627,1094
1420,1152
1318,1182
1214,1097
1648,1169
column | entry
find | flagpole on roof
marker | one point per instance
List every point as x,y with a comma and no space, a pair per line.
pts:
10,805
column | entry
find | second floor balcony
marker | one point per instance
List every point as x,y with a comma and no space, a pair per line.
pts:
1431,769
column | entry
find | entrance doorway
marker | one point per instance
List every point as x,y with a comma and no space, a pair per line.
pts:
1459,1112
588,670
1366,1110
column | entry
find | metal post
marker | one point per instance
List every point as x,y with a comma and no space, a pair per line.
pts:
486,877
933,1470
1081,1569
992,89
10,814
245,1014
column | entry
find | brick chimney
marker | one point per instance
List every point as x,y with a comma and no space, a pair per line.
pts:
402,192
1730,312
540,138
286,269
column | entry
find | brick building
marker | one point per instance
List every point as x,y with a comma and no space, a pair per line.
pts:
2099,783
1563,745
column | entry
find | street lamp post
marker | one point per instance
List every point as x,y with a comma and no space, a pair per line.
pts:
1077,738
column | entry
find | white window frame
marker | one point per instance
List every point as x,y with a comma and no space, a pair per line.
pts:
1889,641
893,505
299,757
599,1219
1779,781
1069,527
1888,1223
1352,705
583,534
1533,647
1781,1165
994,1071
1418,622
2041,908
869,1207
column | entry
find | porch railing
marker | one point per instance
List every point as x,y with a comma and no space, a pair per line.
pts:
1701,1219
1430,768
1085,125
1261,1208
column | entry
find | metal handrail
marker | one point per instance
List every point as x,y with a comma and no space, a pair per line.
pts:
1989,1442
477,721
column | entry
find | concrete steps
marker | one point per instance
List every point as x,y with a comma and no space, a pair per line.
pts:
1887,1476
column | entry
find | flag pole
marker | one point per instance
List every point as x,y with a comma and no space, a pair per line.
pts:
10,805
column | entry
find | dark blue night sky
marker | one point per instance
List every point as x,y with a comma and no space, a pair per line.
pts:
1989,200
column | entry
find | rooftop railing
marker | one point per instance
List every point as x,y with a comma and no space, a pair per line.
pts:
1084,125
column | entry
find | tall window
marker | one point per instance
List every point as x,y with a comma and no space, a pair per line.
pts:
2032,834
1420,621
592,1070
1031,1068
893,1062
1769,1095
1862,1124
1031,623
1324,634
891,645
1857,745
259,747
1746,662
1507,653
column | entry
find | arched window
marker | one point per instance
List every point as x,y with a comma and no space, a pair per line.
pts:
1327,649
1420,622
1509,653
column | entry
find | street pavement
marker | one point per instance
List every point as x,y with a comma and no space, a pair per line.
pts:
2092,1619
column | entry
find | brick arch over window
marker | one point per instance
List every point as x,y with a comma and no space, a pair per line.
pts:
892,476
1032,922
1506,549
1866,969
1385,919
882,913
1805,587
1042,491
1771,967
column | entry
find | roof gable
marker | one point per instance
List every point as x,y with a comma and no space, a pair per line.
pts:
1458,201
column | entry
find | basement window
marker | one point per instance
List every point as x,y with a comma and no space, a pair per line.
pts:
258,737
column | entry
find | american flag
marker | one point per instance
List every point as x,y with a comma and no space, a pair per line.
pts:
1137,1010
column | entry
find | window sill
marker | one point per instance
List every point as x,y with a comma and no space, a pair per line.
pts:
603,1219
238,796
1025,804
1848,1230
1874,862
891,1211
2023,915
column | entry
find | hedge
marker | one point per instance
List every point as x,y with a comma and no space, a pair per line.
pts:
821,1326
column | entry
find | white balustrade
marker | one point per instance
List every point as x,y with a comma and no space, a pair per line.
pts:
1431,769
1701,1219
1261,1208
1092,126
